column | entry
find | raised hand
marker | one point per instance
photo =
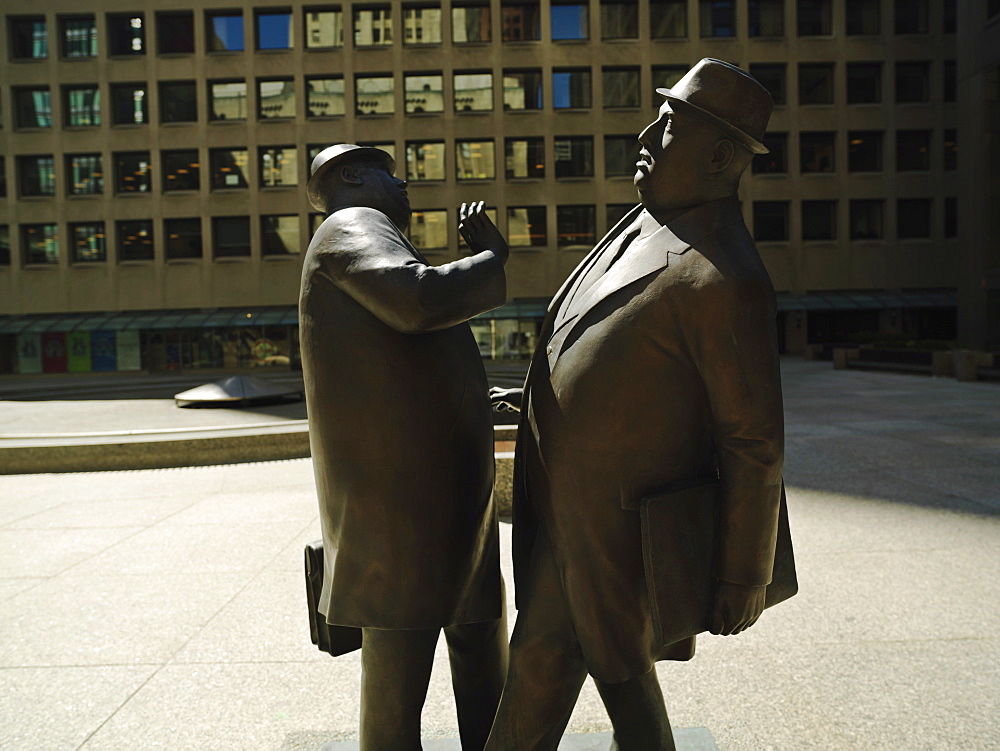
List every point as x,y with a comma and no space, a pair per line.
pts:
480,232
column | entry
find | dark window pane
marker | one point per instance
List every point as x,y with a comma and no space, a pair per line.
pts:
620,155
911,16
178,103
717,18
814,17
521,22
621,87
224,31
913,82
525,157
475,160
230,236
87,242
949,16
82,106
29,38
766,18
374,95
181,169
913,218
950,150
279,235
33,107
126,34
864,152
175,33
666,77
36,175
569,21
324,28
913,150
527,226
950,91
816,83
615,212
571,88
522,89
325,97
3,177
816,152
425,160
772,77
230,168
864,83
770,221
819,220
40,243
274,30
132,172
473,91
866,219
79,36
576,225
276,99
668,19
470,22
4,245
951,217
619,20
574,156
227,100
183,238
776,161
373,26
135,240
84,174
863,17
129,104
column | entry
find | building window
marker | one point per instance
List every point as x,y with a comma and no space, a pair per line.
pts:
569,20
814,17
863,17
913,82
772,77
79,36
665,77
181,169
950,88
524,157
175,33
766,18
135,240
373,26
473,92
775,162
522,22
224,30
3,177
274,29
29,37
950,150
620,155
129,104
866,219
324,28
178,102
951,217
126,34
770,221
183,238
424,160
913,150
615,212
864,152
227,100
36,175
279,166
819,220
571,88
230,236
374,95
423,93
428,230
527,226
668,19
84,174
82,106
522,89
911,16
87,242
40,243
275,99
816,83
33,107
864,83
230,168
4,245
475,160
717,18
949,16
279,234
574,156
621,87
619,20
816,151
325,97
576,225
388,147
132,172
913,218
470,23
421,24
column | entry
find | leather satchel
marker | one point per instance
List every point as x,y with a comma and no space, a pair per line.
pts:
680,538
335,640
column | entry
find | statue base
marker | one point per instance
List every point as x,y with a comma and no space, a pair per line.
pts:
686,739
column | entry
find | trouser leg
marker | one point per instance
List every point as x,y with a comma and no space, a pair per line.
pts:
546,665
637,714
395,672
478,654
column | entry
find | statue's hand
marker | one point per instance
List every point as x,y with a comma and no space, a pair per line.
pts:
737,608
480,232
504,400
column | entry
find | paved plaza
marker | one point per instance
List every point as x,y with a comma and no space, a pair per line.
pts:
165,608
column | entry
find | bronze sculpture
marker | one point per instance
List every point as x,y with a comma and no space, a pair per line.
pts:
656,376
402,445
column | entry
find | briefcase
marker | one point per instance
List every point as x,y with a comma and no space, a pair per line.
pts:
336,640
680,538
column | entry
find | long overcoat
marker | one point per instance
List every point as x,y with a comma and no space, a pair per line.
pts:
400,427
662,373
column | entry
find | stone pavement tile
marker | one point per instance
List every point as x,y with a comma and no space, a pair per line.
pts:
266,622
11,587
686,739
273,504
58,708
980,485
284,474
192,549
110,620
23,497
47,552
132,512
292,556
808,455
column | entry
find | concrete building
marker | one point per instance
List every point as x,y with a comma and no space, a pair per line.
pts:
154,160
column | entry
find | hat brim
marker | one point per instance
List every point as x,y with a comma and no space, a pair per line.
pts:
362,152
745,139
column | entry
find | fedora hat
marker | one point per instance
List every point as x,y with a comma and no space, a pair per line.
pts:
728,97
334,156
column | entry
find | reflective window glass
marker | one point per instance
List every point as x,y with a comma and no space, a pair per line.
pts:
86,242
621,87
574,156
473,92
129,104
132,172
864,83
428,229
819,220
522,89
278,166
866,219
717,18
668,19
816,152
135,240
521,22
84,174
475,160
814,17
524,157
569,20
816,83
79,36
576,225
619,20
775,162
863,17
527,226
772,77
230,168
181,169
36,175
373,26
421,24
126,34
275,99
274,30
470,22
620,155
178,103
571,88
33,107
82,105
227,100
325,97
324,28
374,95
279,235
425,160
182,238
224,31
175,33
913,218
423,93
913,150
913,82
29,37
770,221
230,236
766,18
40,243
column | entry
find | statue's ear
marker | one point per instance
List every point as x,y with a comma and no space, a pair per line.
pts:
722,156
350,173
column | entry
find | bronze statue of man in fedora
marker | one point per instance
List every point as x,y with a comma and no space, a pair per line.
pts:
655,382
402,446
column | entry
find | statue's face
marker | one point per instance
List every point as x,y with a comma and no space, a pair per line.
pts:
384,191
672,160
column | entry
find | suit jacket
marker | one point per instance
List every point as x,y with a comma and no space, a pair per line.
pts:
666,373
400,427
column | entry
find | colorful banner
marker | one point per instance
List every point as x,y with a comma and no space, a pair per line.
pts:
128,351
102,351
54,353
29,353
78,346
